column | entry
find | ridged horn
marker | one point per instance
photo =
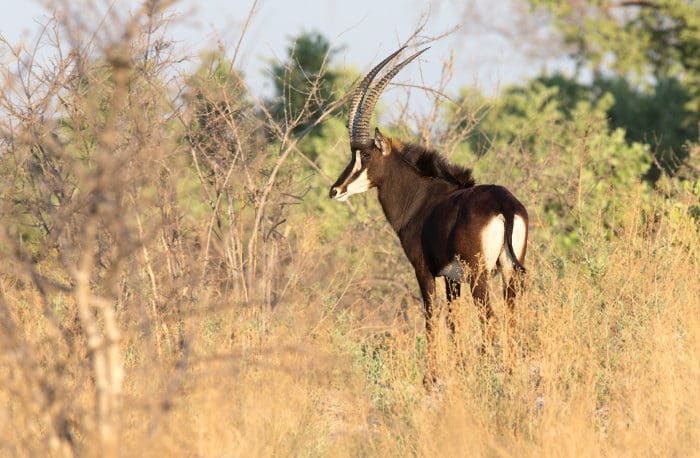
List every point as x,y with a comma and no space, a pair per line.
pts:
361,124
361,90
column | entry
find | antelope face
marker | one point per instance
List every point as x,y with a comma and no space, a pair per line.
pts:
368,156
365,169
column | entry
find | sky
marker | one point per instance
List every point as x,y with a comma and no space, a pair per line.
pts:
364,30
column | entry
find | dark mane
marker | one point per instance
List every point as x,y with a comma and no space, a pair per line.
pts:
430,163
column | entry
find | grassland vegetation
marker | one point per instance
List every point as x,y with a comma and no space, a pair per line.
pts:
174,280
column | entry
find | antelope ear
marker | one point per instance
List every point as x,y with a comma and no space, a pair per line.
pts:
380,142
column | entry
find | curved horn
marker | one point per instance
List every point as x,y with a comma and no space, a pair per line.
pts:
361,124
361,90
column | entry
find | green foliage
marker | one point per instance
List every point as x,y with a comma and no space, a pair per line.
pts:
648,52
330,141
659,38
305,85
656,115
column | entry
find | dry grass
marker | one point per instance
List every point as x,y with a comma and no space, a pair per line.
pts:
242,328
607,366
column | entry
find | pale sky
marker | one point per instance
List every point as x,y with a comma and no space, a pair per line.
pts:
365,30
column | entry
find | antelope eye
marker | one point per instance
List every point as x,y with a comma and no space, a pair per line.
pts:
364,155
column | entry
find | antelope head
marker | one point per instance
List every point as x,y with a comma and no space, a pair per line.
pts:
368,156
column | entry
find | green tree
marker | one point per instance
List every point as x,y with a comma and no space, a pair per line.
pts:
656,115
217,96
645,53
305,84
642,38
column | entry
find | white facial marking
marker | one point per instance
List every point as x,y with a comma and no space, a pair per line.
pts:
492,238
358,162
359,184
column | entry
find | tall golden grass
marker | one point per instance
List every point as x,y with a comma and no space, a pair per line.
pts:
237,326
607,366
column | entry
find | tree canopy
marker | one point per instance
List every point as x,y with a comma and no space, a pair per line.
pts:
645,53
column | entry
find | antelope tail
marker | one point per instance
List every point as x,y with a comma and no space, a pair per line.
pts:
509,243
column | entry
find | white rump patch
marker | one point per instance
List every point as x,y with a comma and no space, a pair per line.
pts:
492,238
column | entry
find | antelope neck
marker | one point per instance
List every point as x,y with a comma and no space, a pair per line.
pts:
403,193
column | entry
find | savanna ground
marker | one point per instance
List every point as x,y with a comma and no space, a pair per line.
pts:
175,282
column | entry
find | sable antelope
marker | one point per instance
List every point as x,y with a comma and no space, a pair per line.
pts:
448,226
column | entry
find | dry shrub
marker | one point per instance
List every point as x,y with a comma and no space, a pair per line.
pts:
161,294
